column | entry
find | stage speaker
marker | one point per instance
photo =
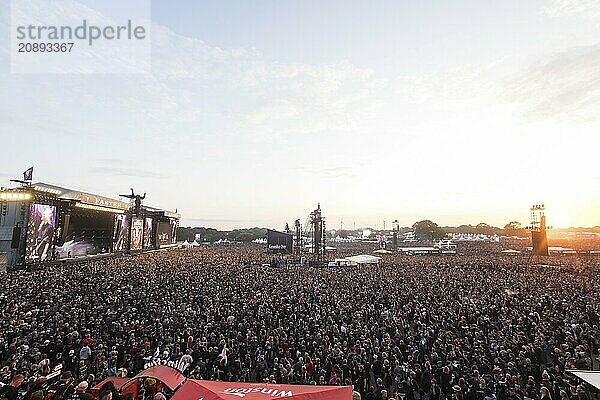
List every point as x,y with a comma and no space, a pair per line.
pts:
3,262
16,237
65,228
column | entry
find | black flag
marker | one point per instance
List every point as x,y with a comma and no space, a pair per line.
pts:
28,174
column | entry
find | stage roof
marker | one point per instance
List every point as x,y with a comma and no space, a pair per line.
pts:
93,199
87,198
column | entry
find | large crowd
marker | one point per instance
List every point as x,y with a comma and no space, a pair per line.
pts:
477,326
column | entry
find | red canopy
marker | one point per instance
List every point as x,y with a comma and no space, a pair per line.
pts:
194,389
118,382
167,375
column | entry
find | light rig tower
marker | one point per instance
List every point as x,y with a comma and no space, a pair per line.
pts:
539,238
317,228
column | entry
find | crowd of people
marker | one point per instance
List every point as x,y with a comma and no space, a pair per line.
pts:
477,326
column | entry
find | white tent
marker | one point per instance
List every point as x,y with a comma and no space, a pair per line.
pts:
382,251
363,259
194,244
591,377
186,244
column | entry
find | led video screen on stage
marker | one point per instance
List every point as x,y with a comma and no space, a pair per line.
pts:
86,233
279,242
120,232
40,232
148,233
137,232
163,234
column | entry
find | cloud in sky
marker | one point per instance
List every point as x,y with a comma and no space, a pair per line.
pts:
220,223
564,87
133,173
338,171
196,85
262,97
213,113
209,114
569,8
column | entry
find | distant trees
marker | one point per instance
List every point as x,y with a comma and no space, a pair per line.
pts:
213,235
206,234
481,228
428,230
514,228
425,230
246,235
486,229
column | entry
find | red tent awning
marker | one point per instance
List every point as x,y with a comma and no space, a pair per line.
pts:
118,382
194,389
167,375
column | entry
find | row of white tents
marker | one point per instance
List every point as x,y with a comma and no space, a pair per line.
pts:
188,245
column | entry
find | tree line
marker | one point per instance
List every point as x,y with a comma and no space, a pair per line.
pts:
425,230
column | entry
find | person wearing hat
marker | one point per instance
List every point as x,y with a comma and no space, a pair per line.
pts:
457,393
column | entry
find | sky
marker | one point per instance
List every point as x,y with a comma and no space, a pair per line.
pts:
254,111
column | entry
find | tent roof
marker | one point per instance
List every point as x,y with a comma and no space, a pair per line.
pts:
88,198
591,377
116,380
218,390
364,259
167,375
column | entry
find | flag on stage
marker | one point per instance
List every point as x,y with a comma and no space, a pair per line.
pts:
28,174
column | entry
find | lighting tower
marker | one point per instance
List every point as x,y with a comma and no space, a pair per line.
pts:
298,248
396,229
538,229
317,223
